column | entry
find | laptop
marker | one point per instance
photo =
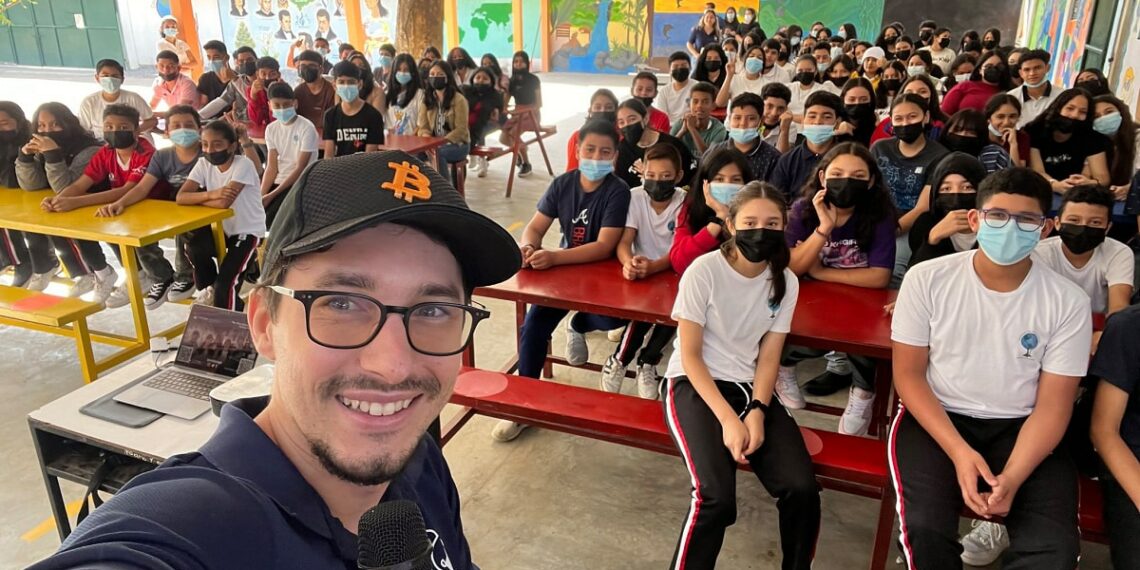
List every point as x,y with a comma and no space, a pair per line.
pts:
216,346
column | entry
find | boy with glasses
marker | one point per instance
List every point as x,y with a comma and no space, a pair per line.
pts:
989,348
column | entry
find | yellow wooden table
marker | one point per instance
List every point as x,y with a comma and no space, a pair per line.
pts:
142,224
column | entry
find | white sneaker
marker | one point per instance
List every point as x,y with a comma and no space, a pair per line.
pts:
506,430
984,544
577,352
615,334
856,416
104,284
613,375
648,383
479,165
118,298
787,390
40,281
205,296
82,286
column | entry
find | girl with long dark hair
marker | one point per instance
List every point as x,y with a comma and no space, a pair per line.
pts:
443,113
700,223
404,96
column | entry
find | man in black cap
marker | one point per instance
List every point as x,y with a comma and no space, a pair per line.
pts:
364,305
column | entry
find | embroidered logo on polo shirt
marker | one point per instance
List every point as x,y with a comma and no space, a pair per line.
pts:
1028,342
408,183
773,306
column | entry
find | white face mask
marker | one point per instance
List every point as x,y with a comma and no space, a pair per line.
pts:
748,18
963,242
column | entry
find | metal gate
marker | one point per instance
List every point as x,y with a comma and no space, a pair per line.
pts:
62,33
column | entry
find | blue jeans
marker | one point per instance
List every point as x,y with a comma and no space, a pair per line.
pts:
447,154
539,325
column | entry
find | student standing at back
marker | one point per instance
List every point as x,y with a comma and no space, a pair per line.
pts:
591,206
644,251
224,179
352,126
989,348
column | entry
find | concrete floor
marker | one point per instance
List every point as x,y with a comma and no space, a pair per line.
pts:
544,501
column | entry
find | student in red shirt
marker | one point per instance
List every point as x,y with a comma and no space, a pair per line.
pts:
645,90
700,222
987,80
268,72
119,165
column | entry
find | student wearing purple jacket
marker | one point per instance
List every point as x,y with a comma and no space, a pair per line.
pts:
843,231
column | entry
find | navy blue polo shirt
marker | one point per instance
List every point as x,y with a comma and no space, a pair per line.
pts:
238,502
793,170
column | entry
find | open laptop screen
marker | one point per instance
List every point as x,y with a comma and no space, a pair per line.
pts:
217,340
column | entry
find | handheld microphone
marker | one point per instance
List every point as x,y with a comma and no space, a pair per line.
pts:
393,537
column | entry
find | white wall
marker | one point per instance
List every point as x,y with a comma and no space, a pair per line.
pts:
139,22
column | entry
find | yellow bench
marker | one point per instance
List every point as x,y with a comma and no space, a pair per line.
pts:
57,315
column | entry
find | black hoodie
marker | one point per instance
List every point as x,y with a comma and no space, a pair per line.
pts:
921,249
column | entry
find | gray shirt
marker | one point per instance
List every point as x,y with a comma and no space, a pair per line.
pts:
51,169
170,172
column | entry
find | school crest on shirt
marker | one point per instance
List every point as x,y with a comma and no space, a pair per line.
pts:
773,306
1028,342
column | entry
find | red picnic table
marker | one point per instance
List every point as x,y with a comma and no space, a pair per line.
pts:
412,144
828,315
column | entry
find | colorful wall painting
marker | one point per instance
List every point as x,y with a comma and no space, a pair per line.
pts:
599,36
272,27
867,16
486,26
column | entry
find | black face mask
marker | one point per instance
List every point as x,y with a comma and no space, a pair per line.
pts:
309,74
846,192
680,74
1081,239
607,116
1064,125
909,133
925,36
902,55
961,143
861,113
993,74
7,136
713,65
838,81
759,244
248,68
942,43
989,45
660,190
483,89
1014,73
805,78
632,133
891,85
218,158
946,203
438,83
119,139
647,101
1093,86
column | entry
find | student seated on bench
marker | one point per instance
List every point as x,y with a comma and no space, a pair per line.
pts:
121,164
700,222
591,205
644,251
989,348
719,403
1116,432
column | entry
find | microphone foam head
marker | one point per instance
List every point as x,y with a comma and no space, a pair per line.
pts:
390,533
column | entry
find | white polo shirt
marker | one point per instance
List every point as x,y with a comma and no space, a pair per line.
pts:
1112,263
673,102
1030,107
988,349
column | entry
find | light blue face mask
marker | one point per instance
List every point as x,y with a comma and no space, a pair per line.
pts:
403,77
743,136
753,65
1107,125
595,170
348,93
217,65
284,115
385,61
170,32
184,137
724,191
818,134
823,66
1008,244
110,85
842,33
915,70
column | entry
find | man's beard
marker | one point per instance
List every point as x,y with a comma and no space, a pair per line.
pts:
382,469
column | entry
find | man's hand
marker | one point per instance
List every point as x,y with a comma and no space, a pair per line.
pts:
785,121
970,465
691,123
110,210
526,250
542,259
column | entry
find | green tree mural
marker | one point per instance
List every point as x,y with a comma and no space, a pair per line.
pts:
6,5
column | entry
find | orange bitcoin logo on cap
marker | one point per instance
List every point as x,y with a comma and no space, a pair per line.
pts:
408,183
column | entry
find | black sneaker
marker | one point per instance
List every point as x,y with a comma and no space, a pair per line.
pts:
180,291
252,272
827,384
524,170
157,294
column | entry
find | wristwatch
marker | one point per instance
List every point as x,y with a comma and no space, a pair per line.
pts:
718,221
756,405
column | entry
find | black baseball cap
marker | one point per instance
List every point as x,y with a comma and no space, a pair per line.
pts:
338,197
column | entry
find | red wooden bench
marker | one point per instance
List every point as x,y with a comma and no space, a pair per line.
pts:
538,132
843,463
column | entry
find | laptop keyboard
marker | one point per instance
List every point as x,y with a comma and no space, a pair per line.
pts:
182,383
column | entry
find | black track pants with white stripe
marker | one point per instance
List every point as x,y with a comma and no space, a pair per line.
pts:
782,464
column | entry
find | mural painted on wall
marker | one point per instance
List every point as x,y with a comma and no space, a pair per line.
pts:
485,26
1127,88
599,36
276,27
379,20
1047,24
672,22
867,16
1071,47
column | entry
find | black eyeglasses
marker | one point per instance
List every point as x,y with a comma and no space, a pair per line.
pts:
997,218
336,319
